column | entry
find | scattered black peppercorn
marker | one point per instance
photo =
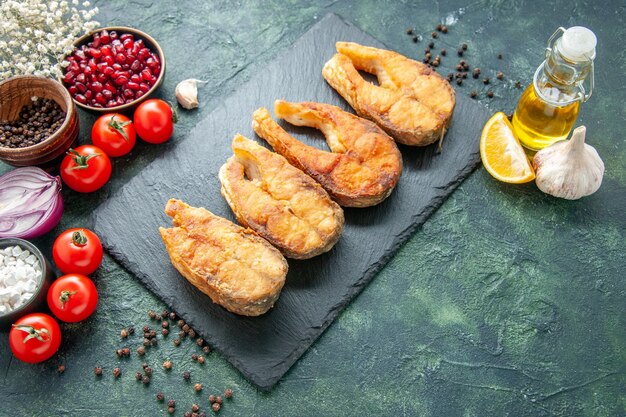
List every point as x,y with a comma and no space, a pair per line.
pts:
490,94
171,403
212,398
464,47
195,408
146,341
61,369
181,323
182,334
160,396
200,341
153,341
97,370
194,356
131,330
124,333
126,351
431,44
486,80
152,334
186,328
464,75
138,376
117,372
409,31
518,84
147,370
425,60
228,393
443,52
171,410
197,387
172,316
186,375
152,314
476,72
459,81
165,332
427,55
438,28
192,333
459,52
165,324
465,66
426,50
218,400
434,35
499,56
144,365
141,351
473,94
216,407
201,414
176,342
167,364
187,414
145,380
444,29
415,39
435,63
146,329
459,67
450,76
499,75
206,349
164,314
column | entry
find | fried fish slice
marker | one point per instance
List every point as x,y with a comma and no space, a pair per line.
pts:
412,102
279,202
364,165
233,266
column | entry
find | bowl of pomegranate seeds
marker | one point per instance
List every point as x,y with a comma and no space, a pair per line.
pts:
113,69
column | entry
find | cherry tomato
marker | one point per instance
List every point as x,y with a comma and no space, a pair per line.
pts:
35,338
72,298
114,134
86,168
77,251
154,121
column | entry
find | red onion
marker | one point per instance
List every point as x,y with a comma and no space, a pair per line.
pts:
30,203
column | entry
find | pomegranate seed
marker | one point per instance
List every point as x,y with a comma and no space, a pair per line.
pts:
125,67
87,71
135,66
153,80
105,37
120,58
128,43
80,98
139,93
106,50
80,55
156,70
98,105
92,64
143,54
108,59
96,41
121,80
129,100
72,89
135,50
119,48
102,78
144,87
97,87
120,100
117,67
128,93
88,94
107,94
100,98
146,74
80,78
135,78
132,85
130,59
155,57
125,36
113,35
111,103
69,76
110,87
108,71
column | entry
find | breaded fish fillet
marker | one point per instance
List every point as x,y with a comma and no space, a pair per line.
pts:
236,268
412,102
364,165
279,202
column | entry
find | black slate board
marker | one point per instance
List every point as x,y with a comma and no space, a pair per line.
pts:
317,290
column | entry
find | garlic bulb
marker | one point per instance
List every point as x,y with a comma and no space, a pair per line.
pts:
187,93
569,169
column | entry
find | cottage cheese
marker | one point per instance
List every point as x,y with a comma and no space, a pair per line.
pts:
20,275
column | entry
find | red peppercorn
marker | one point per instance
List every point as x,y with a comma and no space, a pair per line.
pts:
216,407
171,403
197,387
97,370
117,372
61,369
228,393
212,398
195,408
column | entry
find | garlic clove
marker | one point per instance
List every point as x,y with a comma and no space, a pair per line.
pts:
569,169
187,93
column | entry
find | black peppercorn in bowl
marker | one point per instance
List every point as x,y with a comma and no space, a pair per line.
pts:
113,69
37,301
35,139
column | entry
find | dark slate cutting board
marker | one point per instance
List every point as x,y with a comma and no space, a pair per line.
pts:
317,290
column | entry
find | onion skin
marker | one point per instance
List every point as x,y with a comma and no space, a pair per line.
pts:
30,203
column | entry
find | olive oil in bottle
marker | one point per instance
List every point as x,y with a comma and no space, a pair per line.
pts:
549,106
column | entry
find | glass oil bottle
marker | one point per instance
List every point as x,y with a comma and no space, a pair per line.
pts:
549,106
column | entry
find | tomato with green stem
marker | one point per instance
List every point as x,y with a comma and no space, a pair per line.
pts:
77,251
86,168
72,298
114,133
35,338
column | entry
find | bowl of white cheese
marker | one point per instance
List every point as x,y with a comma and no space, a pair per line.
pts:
25,275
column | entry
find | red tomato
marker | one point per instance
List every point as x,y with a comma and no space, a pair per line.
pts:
35,338
154,121
77,251
72,298
86,168
114,134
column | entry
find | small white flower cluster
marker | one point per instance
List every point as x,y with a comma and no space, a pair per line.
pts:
35,35
20,274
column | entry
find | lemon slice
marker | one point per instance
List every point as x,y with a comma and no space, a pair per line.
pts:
502,154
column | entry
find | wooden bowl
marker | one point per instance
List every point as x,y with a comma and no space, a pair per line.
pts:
15,93
150,43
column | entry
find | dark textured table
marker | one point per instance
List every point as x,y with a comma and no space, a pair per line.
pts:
506,302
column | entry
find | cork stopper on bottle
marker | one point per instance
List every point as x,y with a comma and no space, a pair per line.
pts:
578,44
